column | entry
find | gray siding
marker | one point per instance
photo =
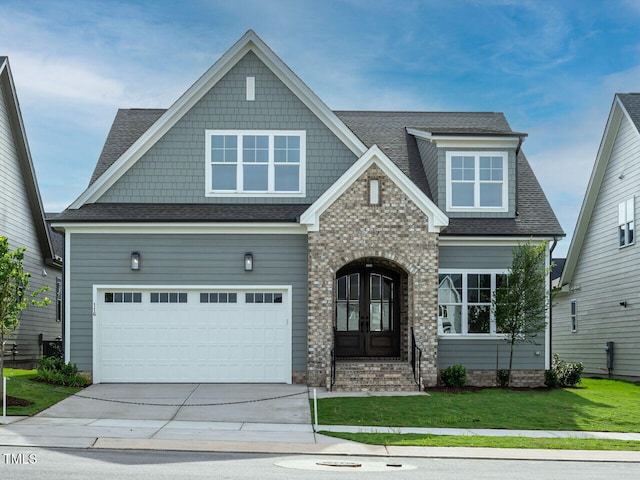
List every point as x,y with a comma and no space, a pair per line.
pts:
481,354
184,260
17,224
429,157
173,170
606,275
442,185
473,257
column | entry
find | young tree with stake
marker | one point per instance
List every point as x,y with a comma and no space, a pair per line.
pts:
520,302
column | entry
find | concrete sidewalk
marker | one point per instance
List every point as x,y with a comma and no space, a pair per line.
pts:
124,434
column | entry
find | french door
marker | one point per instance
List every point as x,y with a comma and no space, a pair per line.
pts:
367,313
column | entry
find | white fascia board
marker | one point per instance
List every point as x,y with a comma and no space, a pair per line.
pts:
420,134
249,228
249,42
593,189
311,217
464,241
457,141
67,298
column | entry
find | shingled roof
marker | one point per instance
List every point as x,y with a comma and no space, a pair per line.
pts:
127,127
184,212
631,102
388,130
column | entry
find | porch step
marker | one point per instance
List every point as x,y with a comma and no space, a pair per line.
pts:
374,376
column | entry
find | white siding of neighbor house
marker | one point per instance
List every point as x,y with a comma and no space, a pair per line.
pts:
606,275
18,225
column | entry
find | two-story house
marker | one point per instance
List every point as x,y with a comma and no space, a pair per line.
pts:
600,299
22,221
250,234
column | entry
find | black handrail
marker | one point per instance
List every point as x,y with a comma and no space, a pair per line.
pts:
333,369
416,356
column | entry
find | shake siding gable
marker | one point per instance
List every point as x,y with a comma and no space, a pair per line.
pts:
605,274
173,170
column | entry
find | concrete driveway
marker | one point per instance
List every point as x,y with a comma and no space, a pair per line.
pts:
170,413
244,403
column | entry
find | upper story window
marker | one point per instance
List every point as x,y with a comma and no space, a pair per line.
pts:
477,181
255,163
626,216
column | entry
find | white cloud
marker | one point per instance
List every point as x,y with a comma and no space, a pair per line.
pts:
67,80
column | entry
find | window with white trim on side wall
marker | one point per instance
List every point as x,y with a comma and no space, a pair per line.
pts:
250,163
477,181
626,222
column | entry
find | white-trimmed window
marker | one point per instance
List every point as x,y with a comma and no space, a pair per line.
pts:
574,316
477,181
626,220
255,163
464,302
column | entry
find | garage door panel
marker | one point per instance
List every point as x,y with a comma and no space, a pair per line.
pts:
194,341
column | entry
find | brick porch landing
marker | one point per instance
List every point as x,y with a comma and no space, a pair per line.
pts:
373,376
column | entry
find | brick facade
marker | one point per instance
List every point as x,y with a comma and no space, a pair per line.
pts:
393,232
519,378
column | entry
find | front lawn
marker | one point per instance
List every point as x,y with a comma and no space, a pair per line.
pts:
20,384
416,440
596,405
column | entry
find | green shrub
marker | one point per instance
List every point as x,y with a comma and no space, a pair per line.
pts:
454,376
54,370
563,374
502,377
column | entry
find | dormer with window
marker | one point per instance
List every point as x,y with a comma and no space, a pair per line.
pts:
471,174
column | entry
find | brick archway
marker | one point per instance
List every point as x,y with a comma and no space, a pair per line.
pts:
395,231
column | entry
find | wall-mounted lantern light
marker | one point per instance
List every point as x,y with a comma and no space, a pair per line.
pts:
135,260
248,262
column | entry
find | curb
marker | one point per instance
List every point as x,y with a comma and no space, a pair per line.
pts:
340,449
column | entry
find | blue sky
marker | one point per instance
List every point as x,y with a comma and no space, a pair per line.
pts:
551,66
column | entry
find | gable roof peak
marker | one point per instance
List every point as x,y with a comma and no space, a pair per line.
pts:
250,41
9,96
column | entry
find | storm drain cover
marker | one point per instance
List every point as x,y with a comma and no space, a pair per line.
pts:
344,465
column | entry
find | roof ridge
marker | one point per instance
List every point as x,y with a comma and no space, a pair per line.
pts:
420,111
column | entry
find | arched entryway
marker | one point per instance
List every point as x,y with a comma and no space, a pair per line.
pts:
369,309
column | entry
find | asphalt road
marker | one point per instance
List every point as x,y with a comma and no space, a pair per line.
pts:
69,464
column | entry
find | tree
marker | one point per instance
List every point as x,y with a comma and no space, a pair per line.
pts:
520,301
14,299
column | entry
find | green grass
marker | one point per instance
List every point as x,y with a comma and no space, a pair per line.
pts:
597,405
41,394
489,442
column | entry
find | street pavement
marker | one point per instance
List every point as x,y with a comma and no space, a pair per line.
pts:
243,418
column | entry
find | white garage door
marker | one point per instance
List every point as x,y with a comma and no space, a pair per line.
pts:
160,334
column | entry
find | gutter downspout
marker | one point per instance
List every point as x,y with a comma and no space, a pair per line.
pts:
520,140
555,242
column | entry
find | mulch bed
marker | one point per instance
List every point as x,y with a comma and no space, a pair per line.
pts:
444,389
17,402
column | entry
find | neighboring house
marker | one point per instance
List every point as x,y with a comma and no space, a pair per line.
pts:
22,221
557,266
250,234
600,299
